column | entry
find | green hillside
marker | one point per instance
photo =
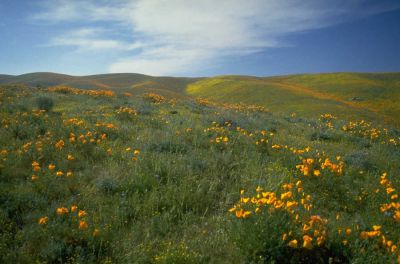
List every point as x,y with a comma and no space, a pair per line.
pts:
349,95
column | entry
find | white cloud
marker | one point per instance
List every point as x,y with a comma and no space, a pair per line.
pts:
182,36
77,10
91,39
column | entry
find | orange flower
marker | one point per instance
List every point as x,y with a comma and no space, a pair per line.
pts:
307,242
52,167
286,195
81,213
293,243
62,211
60,144
59,173
74,208
34,177
83,224
70,157
43,220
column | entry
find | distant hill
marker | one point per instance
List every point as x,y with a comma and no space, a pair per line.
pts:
122,81
373,96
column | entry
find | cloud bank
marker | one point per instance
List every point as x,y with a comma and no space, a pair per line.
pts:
179,37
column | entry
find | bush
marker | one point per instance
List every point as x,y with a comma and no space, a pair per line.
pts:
45,103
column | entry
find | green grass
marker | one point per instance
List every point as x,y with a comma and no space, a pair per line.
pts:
170,202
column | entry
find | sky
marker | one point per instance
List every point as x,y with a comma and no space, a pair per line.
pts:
199,37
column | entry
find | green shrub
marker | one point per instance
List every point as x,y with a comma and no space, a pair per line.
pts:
45,103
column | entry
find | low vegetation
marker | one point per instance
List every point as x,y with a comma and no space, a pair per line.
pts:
111,176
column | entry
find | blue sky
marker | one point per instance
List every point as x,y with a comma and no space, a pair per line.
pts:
199,38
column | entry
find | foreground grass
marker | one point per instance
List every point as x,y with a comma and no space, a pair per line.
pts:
116,178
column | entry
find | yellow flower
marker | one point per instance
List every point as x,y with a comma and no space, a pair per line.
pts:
244,200
225,139
81,213
109,151
233,209
69,174
393,248
317,173
70,157
290,204
286,195
60,144
293,243
246,214
82,224
307,242
136,152
348,231
59,173
62,211
390,190
52,166
376,227
397,216
43,220
34,177
128,149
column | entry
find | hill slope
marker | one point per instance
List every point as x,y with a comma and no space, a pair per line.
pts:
349,95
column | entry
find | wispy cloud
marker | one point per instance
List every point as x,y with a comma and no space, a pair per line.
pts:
182,36
91,39
78,10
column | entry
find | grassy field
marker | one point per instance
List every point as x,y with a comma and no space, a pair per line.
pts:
127,176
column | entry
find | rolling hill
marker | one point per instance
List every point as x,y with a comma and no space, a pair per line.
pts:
372,96
121,81
348,95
